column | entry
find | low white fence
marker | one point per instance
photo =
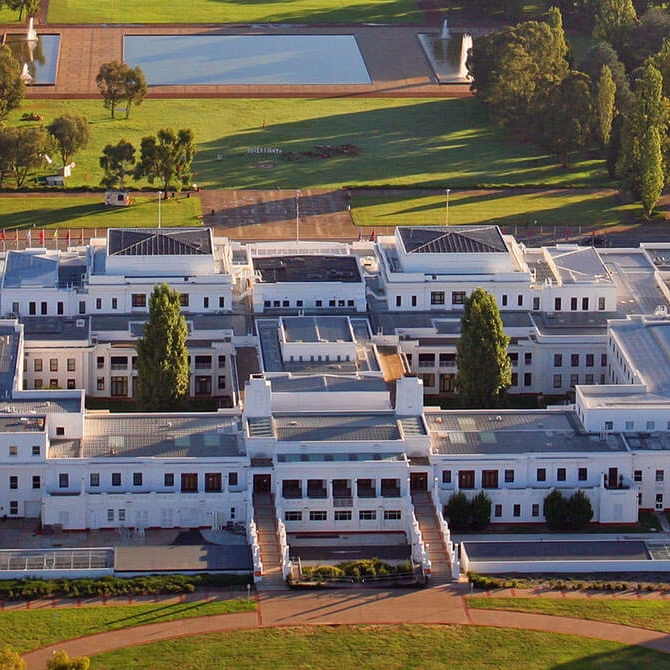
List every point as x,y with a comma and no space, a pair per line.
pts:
56,563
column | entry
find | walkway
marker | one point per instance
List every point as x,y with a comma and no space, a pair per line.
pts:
437,606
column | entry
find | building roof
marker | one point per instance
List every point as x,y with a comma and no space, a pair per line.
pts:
326,384
56,328
456,240
317,329
276,269
24,269
578,264
159,241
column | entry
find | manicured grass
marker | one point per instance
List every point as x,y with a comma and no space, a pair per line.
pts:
228,11
414,142
518,210
652,614
31,629
89,211
374,647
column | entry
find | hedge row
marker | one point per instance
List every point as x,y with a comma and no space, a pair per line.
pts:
372,567
29,589
488,582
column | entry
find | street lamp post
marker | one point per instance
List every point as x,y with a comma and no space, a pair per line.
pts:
447,213
297,215
160,196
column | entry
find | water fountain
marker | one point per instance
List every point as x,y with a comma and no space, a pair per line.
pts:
448,53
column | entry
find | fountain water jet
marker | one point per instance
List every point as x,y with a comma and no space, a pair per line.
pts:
448,54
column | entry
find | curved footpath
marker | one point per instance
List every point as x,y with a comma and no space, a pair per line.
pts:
439,605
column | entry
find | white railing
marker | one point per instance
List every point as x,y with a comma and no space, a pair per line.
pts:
252,536
420,551
445,532
283,549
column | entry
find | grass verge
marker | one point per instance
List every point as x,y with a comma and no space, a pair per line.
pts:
651,614
388,647
31,629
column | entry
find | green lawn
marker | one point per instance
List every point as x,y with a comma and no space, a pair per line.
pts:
511,209
652,614
30,629
89,211
375,647
228,11
412,142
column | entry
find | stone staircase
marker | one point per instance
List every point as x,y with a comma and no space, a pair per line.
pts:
265,516
430,530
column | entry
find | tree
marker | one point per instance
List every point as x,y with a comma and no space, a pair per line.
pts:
162,355
25,149
602,54
480,511
12,87
117,82
71,133
10,659
167,158
614,22
651,170
117,161
556,510
29,7
458,511
568,118
61,660
646,38
484,368
579,510
605,106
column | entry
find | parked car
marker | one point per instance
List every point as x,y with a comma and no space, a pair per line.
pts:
593,241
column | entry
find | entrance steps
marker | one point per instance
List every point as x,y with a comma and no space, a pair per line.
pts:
265,516
432,537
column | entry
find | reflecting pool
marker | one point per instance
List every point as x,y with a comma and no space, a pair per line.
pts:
38,59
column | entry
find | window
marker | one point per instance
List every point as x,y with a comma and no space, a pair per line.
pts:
53,383
560,474
609,425
59,307
203,385
582,474
342,515
446,476
558,381
574,360
489,479
504,300
659,501
557,304
517,510
189,482
519,301
115,303
536,304
137,479
222,361
98,303
205,302
116,479
428,379
100,384
100,362
585,304
53,364
392,515
651,425
71,384
293,515
232,479
437,297
299,303
513,357
37,481
541,475
138,300
528,358
183,299
82,306
535,509
122,514
574,380
203,362
527,379
426,360
509,476
458,297
13,450
110,515
35,450
71,364
222,302
318,303
413,301
213,482
573,304
221,382
94,479
603,360
367,515
119,386
168,479
13,482
37,365
39,383
32,308
449,360
466,479
601,304
515,379
63,480
60,430
398,301
558,360
659,475
637,476
14,507
318,515
497,510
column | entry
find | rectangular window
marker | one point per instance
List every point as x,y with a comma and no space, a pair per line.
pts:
558,360
561,474
138,300
535,509
39,383
98,303
13,450
36,451
392,515
528,358
94,479
32,308
541,475
293,515
221,382
437,297
37,481
637,476
517,510
116,479
590,360
504,301
582,474
585,304
458,297
318,515
203,362
232,479
14,507
100,384
213,482
574,380
13,482
497,510
515,379
115,303
651,425
168,479
557,304
601,304
536,304
119,387
588,379
609,425
659,475
53,364
466,479
573,304
59,308
342,515
527,379
318,303
122,514
205,302
189,482
82,306
574,360
63,480
71,364
558,381
222,361
100,362
519,301
413,301
137,479
183,299
603,360
37,365
446,476
222,302
509,476
367,515
110,515
398,301
489,479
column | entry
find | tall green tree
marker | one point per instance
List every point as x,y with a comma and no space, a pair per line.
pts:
167,158
12,87
579,510
117,161
118,82
555,510
614,22
136,88
480,511
651,170
71,133
602,54
458,511
484,368
162,354
605,104
24,151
